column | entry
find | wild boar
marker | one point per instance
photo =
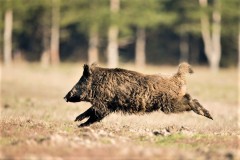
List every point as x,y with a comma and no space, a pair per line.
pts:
129,92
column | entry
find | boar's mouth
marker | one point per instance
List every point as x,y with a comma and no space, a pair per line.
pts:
72,99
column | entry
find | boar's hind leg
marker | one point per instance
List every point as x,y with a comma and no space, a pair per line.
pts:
187,104
199,109
182,105
85,114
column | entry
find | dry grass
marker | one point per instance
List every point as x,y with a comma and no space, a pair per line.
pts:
36,123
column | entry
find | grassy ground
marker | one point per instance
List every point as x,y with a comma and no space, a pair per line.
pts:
36,123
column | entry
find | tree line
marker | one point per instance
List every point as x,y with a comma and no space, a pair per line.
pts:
113,31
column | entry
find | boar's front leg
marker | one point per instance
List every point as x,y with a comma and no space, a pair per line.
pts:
95,116
91,120
85,114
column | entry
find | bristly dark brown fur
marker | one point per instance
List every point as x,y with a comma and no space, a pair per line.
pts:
114,90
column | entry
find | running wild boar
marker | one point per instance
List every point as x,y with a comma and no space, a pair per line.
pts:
129,92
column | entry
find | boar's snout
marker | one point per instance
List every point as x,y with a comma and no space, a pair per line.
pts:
71,97
65,98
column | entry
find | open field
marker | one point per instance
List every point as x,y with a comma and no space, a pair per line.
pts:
36,122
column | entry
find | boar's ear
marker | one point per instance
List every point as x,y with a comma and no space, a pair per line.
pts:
86,70
93,65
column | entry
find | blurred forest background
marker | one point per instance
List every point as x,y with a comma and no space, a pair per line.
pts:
43,43
49,32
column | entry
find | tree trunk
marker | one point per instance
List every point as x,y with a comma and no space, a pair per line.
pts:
8,20
184,48
239,59
54,53
1,40
194,51
45,57
93,47
140,57
212,44
216,37
112,49
239,68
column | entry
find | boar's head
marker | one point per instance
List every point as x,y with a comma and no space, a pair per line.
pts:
81,91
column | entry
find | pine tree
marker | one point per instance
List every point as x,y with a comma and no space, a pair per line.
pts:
54,51
7,43
91,17
144,15
112,48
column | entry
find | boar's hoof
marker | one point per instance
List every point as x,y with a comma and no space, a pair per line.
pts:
79,118
83,125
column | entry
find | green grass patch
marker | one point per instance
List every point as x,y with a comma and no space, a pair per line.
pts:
68,128
5,141
168,140
105,140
